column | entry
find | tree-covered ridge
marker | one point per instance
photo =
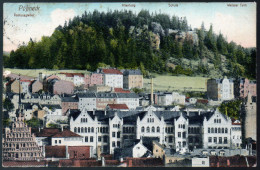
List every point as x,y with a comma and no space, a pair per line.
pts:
126,40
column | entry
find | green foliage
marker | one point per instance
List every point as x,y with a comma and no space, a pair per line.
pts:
179,70
8,105
124,39
6,122
34,122
137,90
231,108
195,94
53,125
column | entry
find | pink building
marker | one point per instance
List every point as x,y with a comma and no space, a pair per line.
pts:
96,78
63,87
246,86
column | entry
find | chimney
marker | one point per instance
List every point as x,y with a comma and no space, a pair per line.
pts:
62,128
67,152
40,77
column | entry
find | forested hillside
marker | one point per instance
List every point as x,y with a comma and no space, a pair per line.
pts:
153,42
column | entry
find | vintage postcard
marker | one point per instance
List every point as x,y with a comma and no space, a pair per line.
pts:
151,84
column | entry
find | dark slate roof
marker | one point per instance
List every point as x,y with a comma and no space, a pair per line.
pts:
27,105
51,106
127,95
86,95
69,99
132,72
148,142
130,142
107,95
74,113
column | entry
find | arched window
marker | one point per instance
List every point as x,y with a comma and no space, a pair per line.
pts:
216,130
219,130
78,129
153,129
148,129
92,129
191,130
208,130
142,129
222,130
86,129
133,130
171,129
82,130
226,130
158,129
212,130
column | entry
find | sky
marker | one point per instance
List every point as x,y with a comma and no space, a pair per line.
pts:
236,21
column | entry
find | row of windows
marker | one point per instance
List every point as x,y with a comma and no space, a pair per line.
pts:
194,130
115,143
57,141
152,129
91,139
183,134
150,120
217,140
116,125
19,145
83,120
21,135
217,120
24,154
84,130
114,134
217,130
181,126
128,130
169,129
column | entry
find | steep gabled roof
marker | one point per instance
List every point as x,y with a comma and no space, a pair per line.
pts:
47,132
65,134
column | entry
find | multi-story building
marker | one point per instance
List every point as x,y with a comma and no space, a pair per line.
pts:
112,77
95,78
103,99
77,78
130,99
243,86
165,99
175,129
62,87
132,79
69,103
19,144
87,101
220,89
25,86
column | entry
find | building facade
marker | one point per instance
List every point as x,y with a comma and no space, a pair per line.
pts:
220,89
112,78
132,79
19,144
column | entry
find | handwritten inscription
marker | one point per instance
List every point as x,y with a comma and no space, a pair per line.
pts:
28,8
128,5
173,5
237,5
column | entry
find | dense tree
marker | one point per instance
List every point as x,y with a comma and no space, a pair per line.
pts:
231,108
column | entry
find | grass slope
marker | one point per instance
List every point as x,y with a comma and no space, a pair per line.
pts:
177,83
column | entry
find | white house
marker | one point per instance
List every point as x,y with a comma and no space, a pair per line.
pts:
236,135
78,79
87,101
130,99
178,98
200,162
67,138
165,99
216,131
113,78
181,133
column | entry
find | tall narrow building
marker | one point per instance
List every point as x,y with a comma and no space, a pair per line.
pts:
19,144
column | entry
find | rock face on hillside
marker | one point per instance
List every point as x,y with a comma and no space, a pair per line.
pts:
157,29
155,40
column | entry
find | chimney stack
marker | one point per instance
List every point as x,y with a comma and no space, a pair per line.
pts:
40,76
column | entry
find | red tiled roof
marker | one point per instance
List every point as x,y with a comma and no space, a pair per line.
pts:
55,151
204,101
111,162
120,90
79,163
232,161
112,71
47,132
66,133
118,106
53,77
24,164
144,162
73,74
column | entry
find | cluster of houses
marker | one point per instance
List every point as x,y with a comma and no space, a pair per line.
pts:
106,124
